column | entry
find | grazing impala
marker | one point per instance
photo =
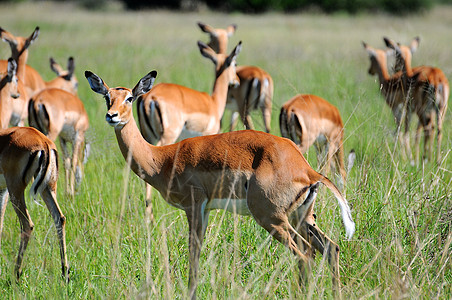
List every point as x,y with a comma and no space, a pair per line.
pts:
308,120
12,97
246,172
170,111
58,113
25,153
427,106
256,86
19,52
394,89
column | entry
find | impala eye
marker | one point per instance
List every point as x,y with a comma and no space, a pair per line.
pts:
130,99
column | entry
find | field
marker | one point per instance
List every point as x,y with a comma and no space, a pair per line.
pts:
402,245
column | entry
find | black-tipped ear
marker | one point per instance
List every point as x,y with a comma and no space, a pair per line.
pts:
12,67
53,66
205,28
390,44
96,83
144,85
70,65
32,37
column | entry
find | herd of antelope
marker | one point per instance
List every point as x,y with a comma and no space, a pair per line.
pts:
246,172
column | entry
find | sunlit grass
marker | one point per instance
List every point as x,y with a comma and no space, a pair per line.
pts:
402,246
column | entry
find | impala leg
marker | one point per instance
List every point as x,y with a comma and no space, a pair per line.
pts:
325,245
197,223
26,225
67,162
417,139
267,114
439,137
49,197
76,170
234,120
3,202
406,135
340,165
149,211
428,138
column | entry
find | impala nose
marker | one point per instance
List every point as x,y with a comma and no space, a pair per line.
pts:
109,117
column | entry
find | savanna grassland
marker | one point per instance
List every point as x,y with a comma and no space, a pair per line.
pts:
403,213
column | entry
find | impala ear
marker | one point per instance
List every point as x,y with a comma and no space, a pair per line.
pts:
144,85
55,67
391,44
414,44
12,67
234,53
231,29
369,49
32,38
208,52
206,28
96,83
70,66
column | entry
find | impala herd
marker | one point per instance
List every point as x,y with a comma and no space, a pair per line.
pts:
245,172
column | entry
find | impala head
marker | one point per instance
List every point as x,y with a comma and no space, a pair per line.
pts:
403,54
10,81
218,37
224,64
377,58
67,80
119,100
18,44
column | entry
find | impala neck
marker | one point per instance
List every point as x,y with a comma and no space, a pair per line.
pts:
21,65
144,157
220,92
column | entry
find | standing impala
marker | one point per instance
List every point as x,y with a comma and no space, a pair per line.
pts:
308,120
25,153
58,113
19,52
170,111
12,97
256,85
247,172
427,106
394,89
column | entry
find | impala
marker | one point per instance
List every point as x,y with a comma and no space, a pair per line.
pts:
256,85
308,120
395,91
25,153
19,52
12,97
170,111
65,80
427,105
58,113
246,172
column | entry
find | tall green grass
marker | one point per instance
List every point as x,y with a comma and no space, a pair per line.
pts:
402,246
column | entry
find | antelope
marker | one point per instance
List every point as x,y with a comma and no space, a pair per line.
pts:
65,80
309,119
25,153
395,91
426,105
256,85
59,113
245,172
30,77
19,52
12,97
170,111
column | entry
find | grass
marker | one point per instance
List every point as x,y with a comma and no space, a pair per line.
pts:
402,246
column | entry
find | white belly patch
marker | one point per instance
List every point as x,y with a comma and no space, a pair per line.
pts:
238,206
